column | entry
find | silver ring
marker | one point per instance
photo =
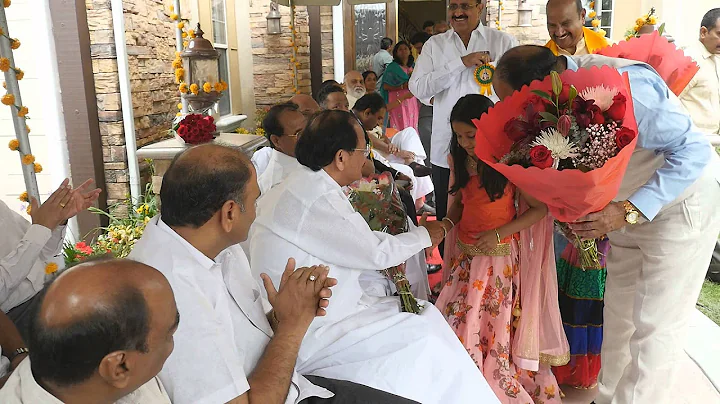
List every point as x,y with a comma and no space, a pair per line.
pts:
312,278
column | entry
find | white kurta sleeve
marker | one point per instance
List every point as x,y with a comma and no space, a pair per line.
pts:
54,246
333,232
433,74
17,264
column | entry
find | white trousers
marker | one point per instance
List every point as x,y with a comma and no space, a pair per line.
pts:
655,272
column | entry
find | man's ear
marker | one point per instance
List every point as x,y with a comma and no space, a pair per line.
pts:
340,159
115,369
274,139
228,215
703,32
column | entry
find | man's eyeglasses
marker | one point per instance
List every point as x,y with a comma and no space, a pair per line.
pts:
463,6
366,150
296,134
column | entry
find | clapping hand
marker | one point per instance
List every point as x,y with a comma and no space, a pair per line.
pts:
302,295
62,204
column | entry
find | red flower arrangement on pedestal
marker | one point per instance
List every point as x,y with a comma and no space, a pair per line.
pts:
195,128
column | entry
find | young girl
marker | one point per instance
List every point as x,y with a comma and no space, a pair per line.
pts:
499,298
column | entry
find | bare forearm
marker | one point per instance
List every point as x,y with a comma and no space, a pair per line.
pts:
10,338
379,145
270,382
527,219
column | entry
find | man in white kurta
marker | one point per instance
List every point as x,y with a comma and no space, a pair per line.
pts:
363,338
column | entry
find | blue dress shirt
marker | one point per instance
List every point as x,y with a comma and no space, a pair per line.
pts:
663,126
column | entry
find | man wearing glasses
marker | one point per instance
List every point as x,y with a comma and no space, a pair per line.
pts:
445,71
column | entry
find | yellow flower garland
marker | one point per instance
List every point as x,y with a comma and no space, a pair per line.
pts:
14,145
647,19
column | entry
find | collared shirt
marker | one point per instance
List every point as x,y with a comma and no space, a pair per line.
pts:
223,330
25,249
440,74
279,167
666,129
580,49
22,388
702,96
380,62
261,159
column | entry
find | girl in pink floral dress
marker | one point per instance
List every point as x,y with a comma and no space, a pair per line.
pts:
501,324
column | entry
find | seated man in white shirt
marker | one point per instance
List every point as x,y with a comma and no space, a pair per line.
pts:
283,125
229,348
100,334
365,339
25,248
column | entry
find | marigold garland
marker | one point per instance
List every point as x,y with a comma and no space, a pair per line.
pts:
38,168
183,88
15,43
647,19
8,99
7,3
51,268
28,210
173,17
194,88
4,64
24,197
14,145
19,74
207,87
28,159
23,111
218,87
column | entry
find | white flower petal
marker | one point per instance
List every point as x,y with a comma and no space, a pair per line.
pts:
603,96
560,146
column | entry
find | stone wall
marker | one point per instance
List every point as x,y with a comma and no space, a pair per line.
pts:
150,40
535,35
271,53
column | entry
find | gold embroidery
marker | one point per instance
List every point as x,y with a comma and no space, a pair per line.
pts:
555,360
501,250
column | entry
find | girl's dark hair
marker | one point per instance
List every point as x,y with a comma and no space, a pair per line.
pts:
373,101
326,133
368,73
471,107
396,58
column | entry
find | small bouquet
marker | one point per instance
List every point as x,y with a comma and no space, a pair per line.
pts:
567,141
376,198
648,19
80,251
194,128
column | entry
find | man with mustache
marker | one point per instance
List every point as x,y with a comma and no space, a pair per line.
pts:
354,86
565,24
445,71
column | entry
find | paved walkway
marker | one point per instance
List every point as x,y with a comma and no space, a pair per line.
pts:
699,377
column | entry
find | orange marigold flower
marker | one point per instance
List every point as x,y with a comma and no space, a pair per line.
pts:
28,210
224,84
7,3
207,87
15,43
38,168
24,197
184,34
51,268
177,63
179,106
14,145
191,33
178,114
185,44
173,17
19,74
183,88
172,8
194,88
218,87
595,23
8,99
23,111
4,64
28,159
181,25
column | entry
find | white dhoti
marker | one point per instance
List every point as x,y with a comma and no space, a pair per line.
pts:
409,140
655,272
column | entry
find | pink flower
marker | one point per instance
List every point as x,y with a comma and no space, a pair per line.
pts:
563,125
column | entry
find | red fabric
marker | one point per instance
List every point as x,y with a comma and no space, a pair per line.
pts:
672,65
569,194
581,372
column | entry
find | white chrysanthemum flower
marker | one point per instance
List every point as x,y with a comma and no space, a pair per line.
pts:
602,96
560,146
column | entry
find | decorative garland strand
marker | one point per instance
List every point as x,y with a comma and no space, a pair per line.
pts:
295,63
12,98
500,8
596,22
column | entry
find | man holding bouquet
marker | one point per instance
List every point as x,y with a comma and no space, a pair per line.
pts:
661,232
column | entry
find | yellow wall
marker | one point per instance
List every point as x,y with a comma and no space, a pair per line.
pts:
681,18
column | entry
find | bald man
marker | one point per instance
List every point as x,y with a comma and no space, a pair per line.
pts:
306,104
101,333
354,87
568,34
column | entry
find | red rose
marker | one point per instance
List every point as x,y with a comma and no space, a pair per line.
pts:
541,157
598,118
616,112
182,130
517,129
624,137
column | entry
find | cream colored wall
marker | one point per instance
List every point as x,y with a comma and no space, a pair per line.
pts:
682,19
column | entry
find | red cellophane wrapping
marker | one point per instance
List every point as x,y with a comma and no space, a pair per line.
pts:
671,63
570,194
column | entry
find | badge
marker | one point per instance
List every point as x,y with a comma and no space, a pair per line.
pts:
483,76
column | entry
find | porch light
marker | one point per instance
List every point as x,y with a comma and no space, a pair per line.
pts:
200,62
273,19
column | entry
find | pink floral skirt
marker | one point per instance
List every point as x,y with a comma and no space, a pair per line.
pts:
477,301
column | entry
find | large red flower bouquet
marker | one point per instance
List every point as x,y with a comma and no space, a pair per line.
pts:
377,199
566,140
195,128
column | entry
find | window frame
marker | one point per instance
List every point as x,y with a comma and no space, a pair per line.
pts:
226,48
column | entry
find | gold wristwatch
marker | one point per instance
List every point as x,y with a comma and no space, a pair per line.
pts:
632,215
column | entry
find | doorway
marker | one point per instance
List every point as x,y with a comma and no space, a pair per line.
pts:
365,25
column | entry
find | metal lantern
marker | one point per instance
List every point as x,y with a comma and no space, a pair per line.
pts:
273,19
200,61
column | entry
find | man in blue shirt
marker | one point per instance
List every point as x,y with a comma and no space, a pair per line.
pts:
662,228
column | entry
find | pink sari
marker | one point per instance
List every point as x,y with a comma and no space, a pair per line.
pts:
407,114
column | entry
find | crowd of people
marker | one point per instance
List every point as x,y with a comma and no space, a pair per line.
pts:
259,282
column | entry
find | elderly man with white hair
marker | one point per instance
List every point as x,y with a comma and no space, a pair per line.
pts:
354,86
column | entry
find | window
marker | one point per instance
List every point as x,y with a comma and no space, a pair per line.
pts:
605,14
220,43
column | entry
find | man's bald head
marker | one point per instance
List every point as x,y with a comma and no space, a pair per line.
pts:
306,104
200,180
99,316
522,65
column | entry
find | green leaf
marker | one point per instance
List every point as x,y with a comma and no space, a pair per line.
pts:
542,94
661,30
549,117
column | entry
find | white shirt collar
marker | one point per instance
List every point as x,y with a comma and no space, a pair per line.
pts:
201,258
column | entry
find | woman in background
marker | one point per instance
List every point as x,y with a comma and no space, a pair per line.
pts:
404,108
370,79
